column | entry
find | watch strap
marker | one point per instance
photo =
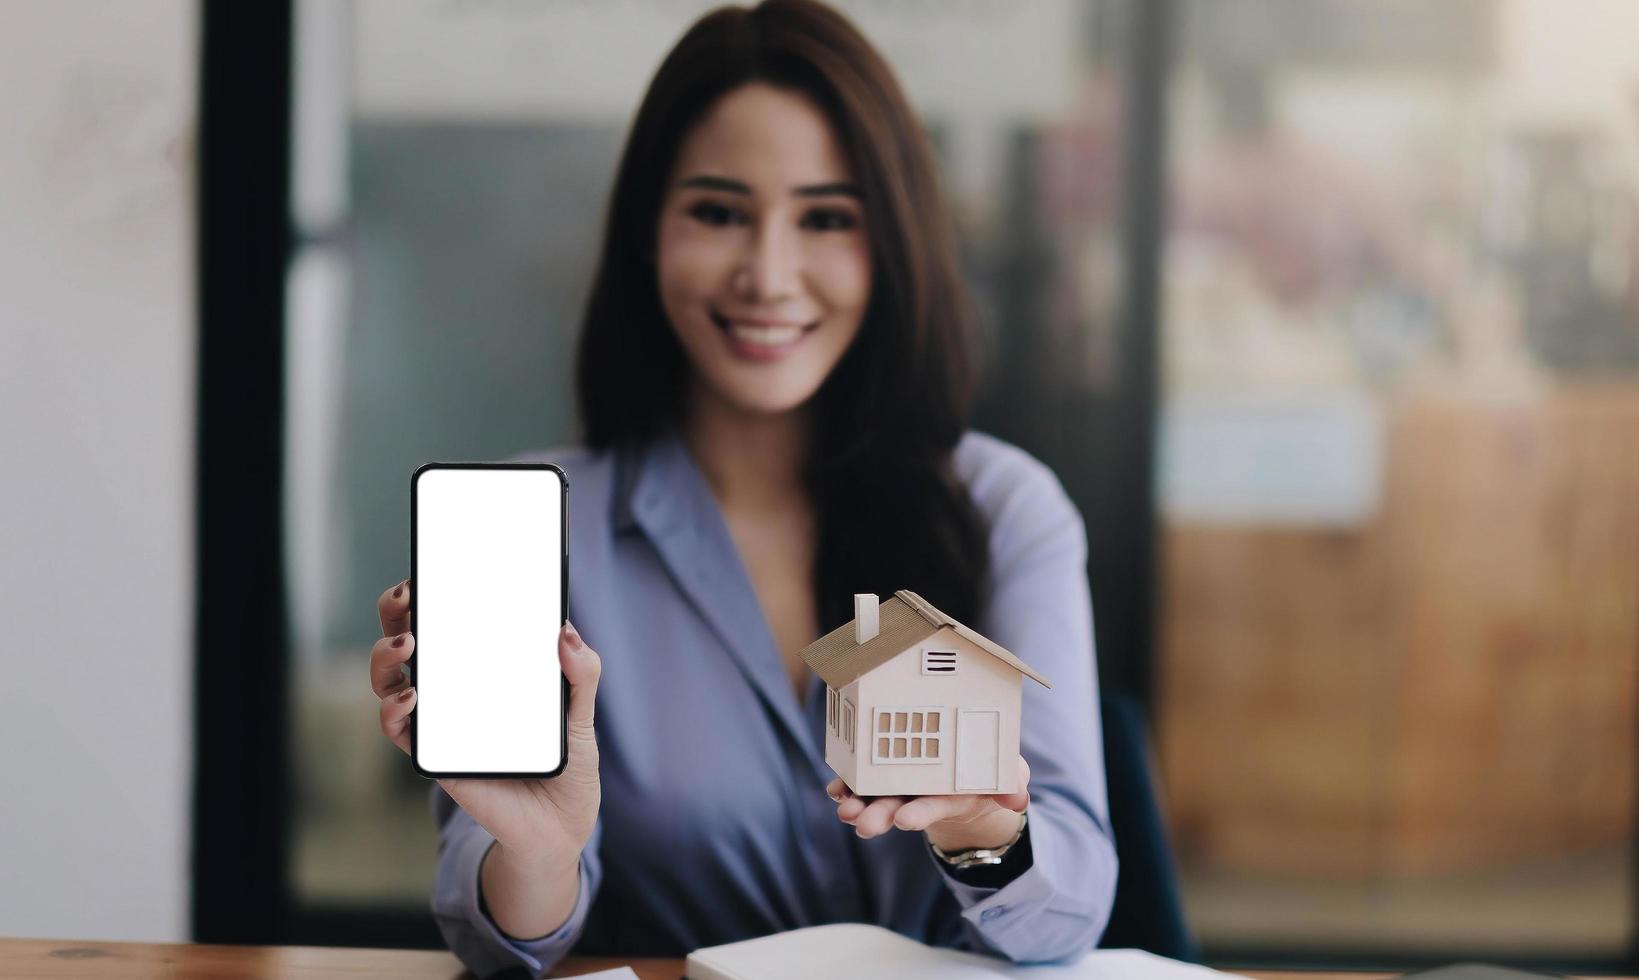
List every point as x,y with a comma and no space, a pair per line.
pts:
979,857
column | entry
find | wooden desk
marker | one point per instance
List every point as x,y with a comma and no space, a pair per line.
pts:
52,958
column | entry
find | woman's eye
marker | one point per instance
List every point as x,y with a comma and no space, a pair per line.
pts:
716,214
829,220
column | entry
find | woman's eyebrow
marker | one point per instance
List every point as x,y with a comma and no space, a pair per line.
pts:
827,190
740,187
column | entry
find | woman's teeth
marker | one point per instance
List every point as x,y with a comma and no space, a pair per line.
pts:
766,336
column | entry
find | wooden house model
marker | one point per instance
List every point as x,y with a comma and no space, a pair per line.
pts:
916,704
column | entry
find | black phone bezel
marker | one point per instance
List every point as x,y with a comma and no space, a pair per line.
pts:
563,609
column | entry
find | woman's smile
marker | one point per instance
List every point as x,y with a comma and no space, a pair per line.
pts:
761,340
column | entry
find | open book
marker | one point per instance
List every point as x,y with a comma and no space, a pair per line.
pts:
862,952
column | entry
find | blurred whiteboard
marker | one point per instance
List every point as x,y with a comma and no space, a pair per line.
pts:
1283,459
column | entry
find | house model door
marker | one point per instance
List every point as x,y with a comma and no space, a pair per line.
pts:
978,750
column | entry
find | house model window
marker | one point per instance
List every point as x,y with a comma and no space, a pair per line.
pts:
848,723
938,662
831,708
906,735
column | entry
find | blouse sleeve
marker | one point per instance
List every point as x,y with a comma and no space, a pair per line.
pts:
471,934
1038,606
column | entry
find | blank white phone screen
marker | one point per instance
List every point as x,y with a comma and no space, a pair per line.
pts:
488,595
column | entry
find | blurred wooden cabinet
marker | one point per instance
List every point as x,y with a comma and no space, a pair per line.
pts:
1449,687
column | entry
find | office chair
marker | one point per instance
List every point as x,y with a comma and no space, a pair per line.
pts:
1148,912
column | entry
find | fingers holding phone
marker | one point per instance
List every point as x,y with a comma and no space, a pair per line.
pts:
531,817
388,657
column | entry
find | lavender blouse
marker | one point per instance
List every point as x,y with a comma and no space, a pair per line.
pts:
715,825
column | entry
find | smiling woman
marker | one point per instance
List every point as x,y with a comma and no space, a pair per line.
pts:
775,375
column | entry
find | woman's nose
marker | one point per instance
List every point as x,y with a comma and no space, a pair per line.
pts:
770,269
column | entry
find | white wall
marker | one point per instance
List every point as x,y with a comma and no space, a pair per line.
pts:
97,349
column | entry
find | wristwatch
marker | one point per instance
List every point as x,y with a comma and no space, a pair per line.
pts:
978,857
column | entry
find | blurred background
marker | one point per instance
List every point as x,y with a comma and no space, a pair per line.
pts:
1325,311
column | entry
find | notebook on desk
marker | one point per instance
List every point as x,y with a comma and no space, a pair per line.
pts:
863,952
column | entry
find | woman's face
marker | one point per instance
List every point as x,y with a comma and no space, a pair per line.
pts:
763,260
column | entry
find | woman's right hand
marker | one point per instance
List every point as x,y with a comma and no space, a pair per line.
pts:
541,822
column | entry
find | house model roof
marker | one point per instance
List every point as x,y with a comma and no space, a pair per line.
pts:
906,619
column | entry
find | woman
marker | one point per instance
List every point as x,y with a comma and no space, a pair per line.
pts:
774,376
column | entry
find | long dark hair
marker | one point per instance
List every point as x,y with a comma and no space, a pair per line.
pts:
891,513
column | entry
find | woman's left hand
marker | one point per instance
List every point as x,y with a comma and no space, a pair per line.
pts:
953,823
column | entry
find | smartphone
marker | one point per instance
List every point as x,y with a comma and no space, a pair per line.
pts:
489,585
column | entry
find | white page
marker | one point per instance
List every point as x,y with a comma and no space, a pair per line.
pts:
865,952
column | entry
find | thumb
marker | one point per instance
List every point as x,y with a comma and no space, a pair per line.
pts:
1018,800
581,667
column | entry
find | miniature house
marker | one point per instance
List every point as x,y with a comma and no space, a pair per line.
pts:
916,704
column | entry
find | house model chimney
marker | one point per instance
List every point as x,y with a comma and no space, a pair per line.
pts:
866,621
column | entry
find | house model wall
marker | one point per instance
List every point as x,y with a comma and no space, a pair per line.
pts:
917,703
